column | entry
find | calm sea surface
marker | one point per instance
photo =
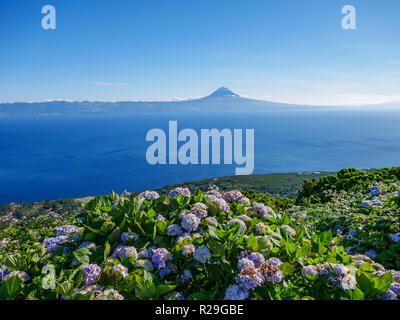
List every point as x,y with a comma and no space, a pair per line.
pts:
57,157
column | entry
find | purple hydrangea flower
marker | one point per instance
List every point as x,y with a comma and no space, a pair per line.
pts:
274,261
91,274
249,278
160,257
125,252
245,263
261,208
213,193
4,271
181,191
110,294
212,221
234,292
149,195
221,203
202,254
190,222
309,271
256,257
159,218
395,287
120,269
389,295
188,249
241,223
232,196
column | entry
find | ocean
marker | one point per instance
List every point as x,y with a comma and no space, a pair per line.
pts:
52,157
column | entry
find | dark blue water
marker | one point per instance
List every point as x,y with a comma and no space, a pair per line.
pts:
56,157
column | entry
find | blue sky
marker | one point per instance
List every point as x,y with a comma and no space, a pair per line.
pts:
286,50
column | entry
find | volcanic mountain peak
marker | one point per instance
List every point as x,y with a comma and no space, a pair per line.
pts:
223,92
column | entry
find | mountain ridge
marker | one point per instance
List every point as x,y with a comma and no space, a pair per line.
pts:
222,99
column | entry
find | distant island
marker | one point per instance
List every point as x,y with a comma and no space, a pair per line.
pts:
222,99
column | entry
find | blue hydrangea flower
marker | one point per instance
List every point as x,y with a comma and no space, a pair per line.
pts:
190,222
395,287
174,230
66,230
88,244
245,263
125,252
126,235
202,254
52,244
395,237
366,203
371,254
4,271
186,275
91,274
375,191
234,292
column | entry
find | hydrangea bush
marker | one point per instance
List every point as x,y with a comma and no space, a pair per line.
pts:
340,240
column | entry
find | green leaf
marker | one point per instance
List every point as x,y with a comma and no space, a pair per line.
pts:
83,255
252,243
66,288
107,250
11,288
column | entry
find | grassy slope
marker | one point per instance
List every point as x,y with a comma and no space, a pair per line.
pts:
279,184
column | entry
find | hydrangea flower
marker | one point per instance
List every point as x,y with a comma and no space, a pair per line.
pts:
190,222
188,249
366,203
174,296
202,254
221,203
395,287
274,261
146,264
126,235
245,263
95,289
66,230
241,223
110,294
234,292
375,191
212,221
262,209
91,274
160,218
149,195
309,270
213,193
395,237
389,295
256,257
371,254
262,228
289,230
21,274
160,257
232,196
244,201
120,269
4,271
271,273
181,191
52,244
348,282
173,230
186,275
249,278
340,269
146,253
199,209
125,252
